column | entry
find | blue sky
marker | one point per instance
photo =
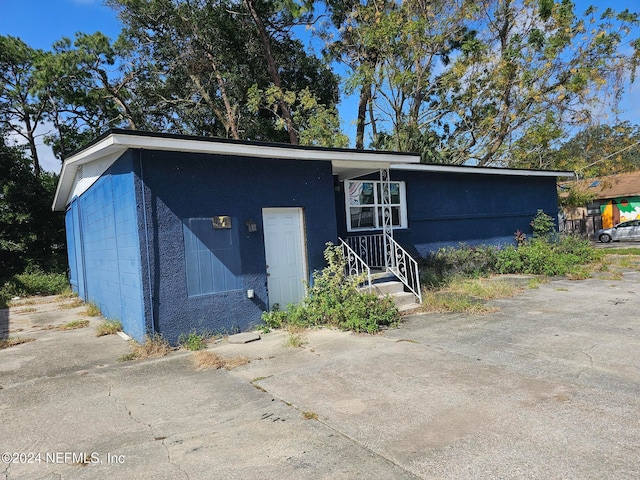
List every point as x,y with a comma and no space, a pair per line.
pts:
40,23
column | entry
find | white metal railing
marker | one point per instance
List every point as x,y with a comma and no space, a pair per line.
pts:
356,266
405,268
371,250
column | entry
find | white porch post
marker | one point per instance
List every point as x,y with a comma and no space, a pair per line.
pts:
387,228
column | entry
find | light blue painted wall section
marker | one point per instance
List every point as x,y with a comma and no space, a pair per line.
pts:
108,219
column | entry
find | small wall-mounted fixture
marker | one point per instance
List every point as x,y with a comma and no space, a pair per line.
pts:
221,221
251,226
250,293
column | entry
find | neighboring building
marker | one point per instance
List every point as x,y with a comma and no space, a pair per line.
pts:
173,234
617,199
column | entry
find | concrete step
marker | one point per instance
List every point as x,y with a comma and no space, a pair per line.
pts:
389,287
387,284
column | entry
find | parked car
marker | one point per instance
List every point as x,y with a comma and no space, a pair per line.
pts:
623,231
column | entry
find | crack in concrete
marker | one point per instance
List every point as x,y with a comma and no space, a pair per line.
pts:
148,426
348,437
591,363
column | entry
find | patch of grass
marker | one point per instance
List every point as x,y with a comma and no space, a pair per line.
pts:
562,289
447,302
74,325
468,296
535,282
26,310
13,341
626,251
310,415
155,346
193,341
580,272
126,357
108,327
75,303
207,360
93,310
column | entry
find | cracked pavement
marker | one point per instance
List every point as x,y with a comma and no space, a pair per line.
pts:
546,387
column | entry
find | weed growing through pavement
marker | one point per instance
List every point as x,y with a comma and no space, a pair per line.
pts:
154,347
192,341
74,325
108,327
296,338
13,341
207,360
74,303
93,310
309,415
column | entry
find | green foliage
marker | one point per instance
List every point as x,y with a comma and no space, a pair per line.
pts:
439,267
34,283
192,341
577,196
31,235
108,327
540,256
335,300
543,225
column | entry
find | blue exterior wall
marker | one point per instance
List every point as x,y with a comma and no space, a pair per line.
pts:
178,186
446,209
104,238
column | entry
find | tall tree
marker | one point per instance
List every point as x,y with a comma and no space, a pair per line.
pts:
87,84
599,150
21,109
210,65
31,235
462,82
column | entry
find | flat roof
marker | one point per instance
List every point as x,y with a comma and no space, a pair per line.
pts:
346,163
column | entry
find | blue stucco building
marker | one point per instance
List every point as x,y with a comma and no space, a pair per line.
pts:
171,234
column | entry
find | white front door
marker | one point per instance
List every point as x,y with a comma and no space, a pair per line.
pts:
286,255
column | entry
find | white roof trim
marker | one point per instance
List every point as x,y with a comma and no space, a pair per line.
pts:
482,170
114,144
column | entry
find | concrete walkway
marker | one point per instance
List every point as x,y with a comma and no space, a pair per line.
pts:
548,387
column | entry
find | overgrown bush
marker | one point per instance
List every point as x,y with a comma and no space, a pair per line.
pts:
543,226
335,300
542,255
439,267
32,283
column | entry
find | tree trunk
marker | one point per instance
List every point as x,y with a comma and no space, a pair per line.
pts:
273,71
365,97
32,147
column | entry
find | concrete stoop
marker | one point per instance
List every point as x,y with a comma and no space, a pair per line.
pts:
386,284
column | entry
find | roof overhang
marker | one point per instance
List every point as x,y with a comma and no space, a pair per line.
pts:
482,170
345,163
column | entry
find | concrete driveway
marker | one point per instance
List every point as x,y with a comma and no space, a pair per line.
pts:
547,387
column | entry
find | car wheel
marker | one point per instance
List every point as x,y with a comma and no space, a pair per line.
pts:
605,238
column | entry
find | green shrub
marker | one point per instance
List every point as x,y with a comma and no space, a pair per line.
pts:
193,341
439,267
335,300
542,255
32,283
543,226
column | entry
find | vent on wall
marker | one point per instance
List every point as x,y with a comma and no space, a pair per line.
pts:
80,173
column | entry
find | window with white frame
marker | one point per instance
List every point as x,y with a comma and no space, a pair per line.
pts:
364,205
